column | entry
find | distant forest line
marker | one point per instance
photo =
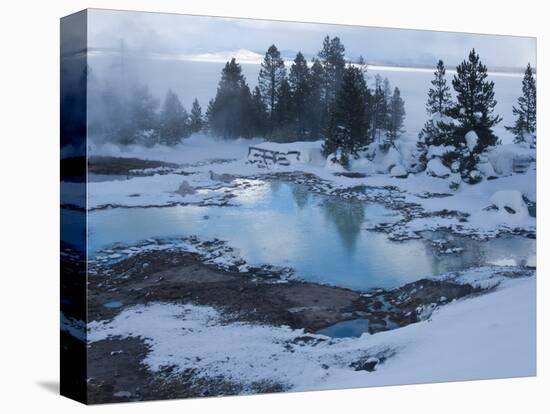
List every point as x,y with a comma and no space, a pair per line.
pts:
325,98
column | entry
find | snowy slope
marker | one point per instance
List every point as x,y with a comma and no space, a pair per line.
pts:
482,337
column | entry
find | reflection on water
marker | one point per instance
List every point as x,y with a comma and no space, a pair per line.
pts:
347,219
301,196
320,237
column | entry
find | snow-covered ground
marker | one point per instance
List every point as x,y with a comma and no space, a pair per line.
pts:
488,336
196,149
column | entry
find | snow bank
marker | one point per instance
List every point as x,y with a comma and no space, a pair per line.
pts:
487,336
486,168
510,201
382,161
504,158
198,147
435,168
157,190
398,171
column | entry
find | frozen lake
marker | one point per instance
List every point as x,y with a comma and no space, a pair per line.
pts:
322,238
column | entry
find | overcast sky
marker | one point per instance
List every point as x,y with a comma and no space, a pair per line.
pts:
173,35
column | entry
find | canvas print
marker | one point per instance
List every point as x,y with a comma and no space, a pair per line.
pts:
254,206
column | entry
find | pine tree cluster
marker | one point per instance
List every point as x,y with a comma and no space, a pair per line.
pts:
470,114
326,98
330,99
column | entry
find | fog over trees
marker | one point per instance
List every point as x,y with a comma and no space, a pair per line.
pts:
326,98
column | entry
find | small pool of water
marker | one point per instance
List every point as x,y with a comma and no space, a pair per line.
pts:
346,329
322,238
113,305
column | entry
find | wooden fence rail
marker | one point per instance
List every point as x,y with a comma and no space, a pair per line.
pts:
276,157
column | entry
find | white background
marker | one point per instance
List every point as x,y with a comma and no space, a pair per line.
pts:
29,194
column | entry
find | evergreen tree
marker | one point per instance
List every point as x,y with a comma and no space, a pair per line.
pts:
272,73
387,95
369,100
378,110
284,111
438,130
227,114
173,120
475,102
299,80
316,105
245,115
209,116
259,121
396,116
347,132
439,95
526,110
195,120
473,112
333,61
385,108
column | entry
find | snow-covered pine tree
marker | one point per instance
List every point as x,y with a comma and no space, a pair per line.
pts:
525,127
272,73
439,129
195,120
396,116
474,114
476,102
439,95
347,132
299,81
173,120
